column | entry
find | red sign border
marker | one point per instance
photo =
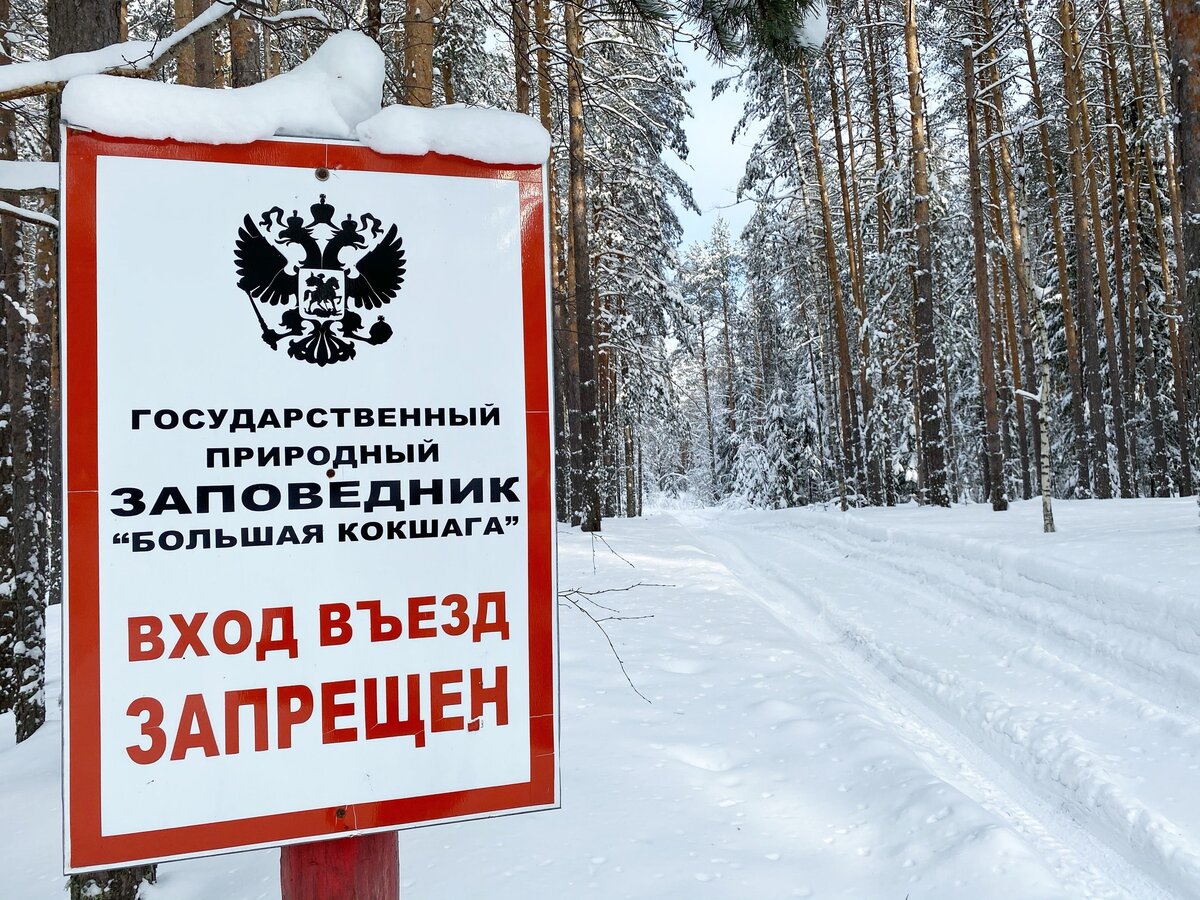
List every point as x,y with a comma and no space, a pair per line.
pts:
85,848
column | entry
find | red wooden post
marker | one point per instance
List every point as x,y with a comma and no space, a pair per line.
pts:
358,868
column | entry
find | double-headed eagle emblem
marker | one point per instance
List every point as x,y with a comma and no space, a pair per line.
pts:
300,269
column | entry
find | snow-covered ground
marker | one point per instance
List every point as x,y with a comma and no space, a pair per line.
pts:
881,704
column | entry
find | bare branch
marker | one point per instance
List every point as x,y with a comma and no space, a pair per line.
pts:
577,597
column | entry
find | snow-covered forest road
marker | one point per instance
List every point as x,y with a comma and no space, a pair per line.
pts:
882,704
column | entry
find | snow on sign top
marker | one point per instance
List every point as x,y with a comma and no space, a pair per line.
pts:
488,135
340,85
336,93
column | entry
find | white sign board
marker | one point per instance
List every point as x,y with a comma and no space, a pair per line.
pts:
309,503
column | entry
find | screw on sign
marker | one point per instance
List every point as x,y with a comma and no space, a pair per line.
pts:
310,559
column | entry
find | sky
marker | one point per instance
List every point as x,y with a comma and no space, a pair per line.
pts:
715,163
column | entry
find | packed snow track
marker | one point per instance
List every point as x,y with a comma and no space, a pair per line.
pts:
1059,698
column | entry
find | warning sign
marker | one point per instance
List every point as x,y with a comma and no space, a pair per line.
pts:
310,583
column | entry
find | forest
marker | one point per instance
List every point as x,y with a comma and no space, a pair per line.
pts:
972,273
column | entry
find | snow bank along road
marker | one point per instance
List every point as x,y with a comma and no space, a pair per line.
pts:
879,705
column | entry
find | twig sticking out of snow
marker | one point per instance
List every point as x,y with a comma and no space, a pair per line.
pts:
596,536
577,597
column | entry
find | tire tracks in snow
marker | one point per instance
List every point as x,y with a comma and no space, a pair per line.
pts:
1156,643
1099,840
1036,618
1038,745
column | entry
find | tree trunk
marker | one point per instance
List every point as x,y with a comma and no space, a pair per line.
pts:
1146,162
566,408
112,884
883,209
35,475
631,503
373,19
203,51
74,26
852,156
1131,172
1074,367
1008,348
185,57
1116,401
574,422
727,346
883,218
1001,308
932,441
952,472
1037,325
520,25
888,86
1020,252
1173,307
419,37
609,496
245,66
846,400
1083,252
589,487
1182,23
708,416
870,472
12,329
1179,33
1124,349
1043,417
641,479
983,309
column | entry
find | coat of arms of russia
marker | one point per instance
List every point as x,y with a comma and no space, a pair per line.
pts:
294,271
